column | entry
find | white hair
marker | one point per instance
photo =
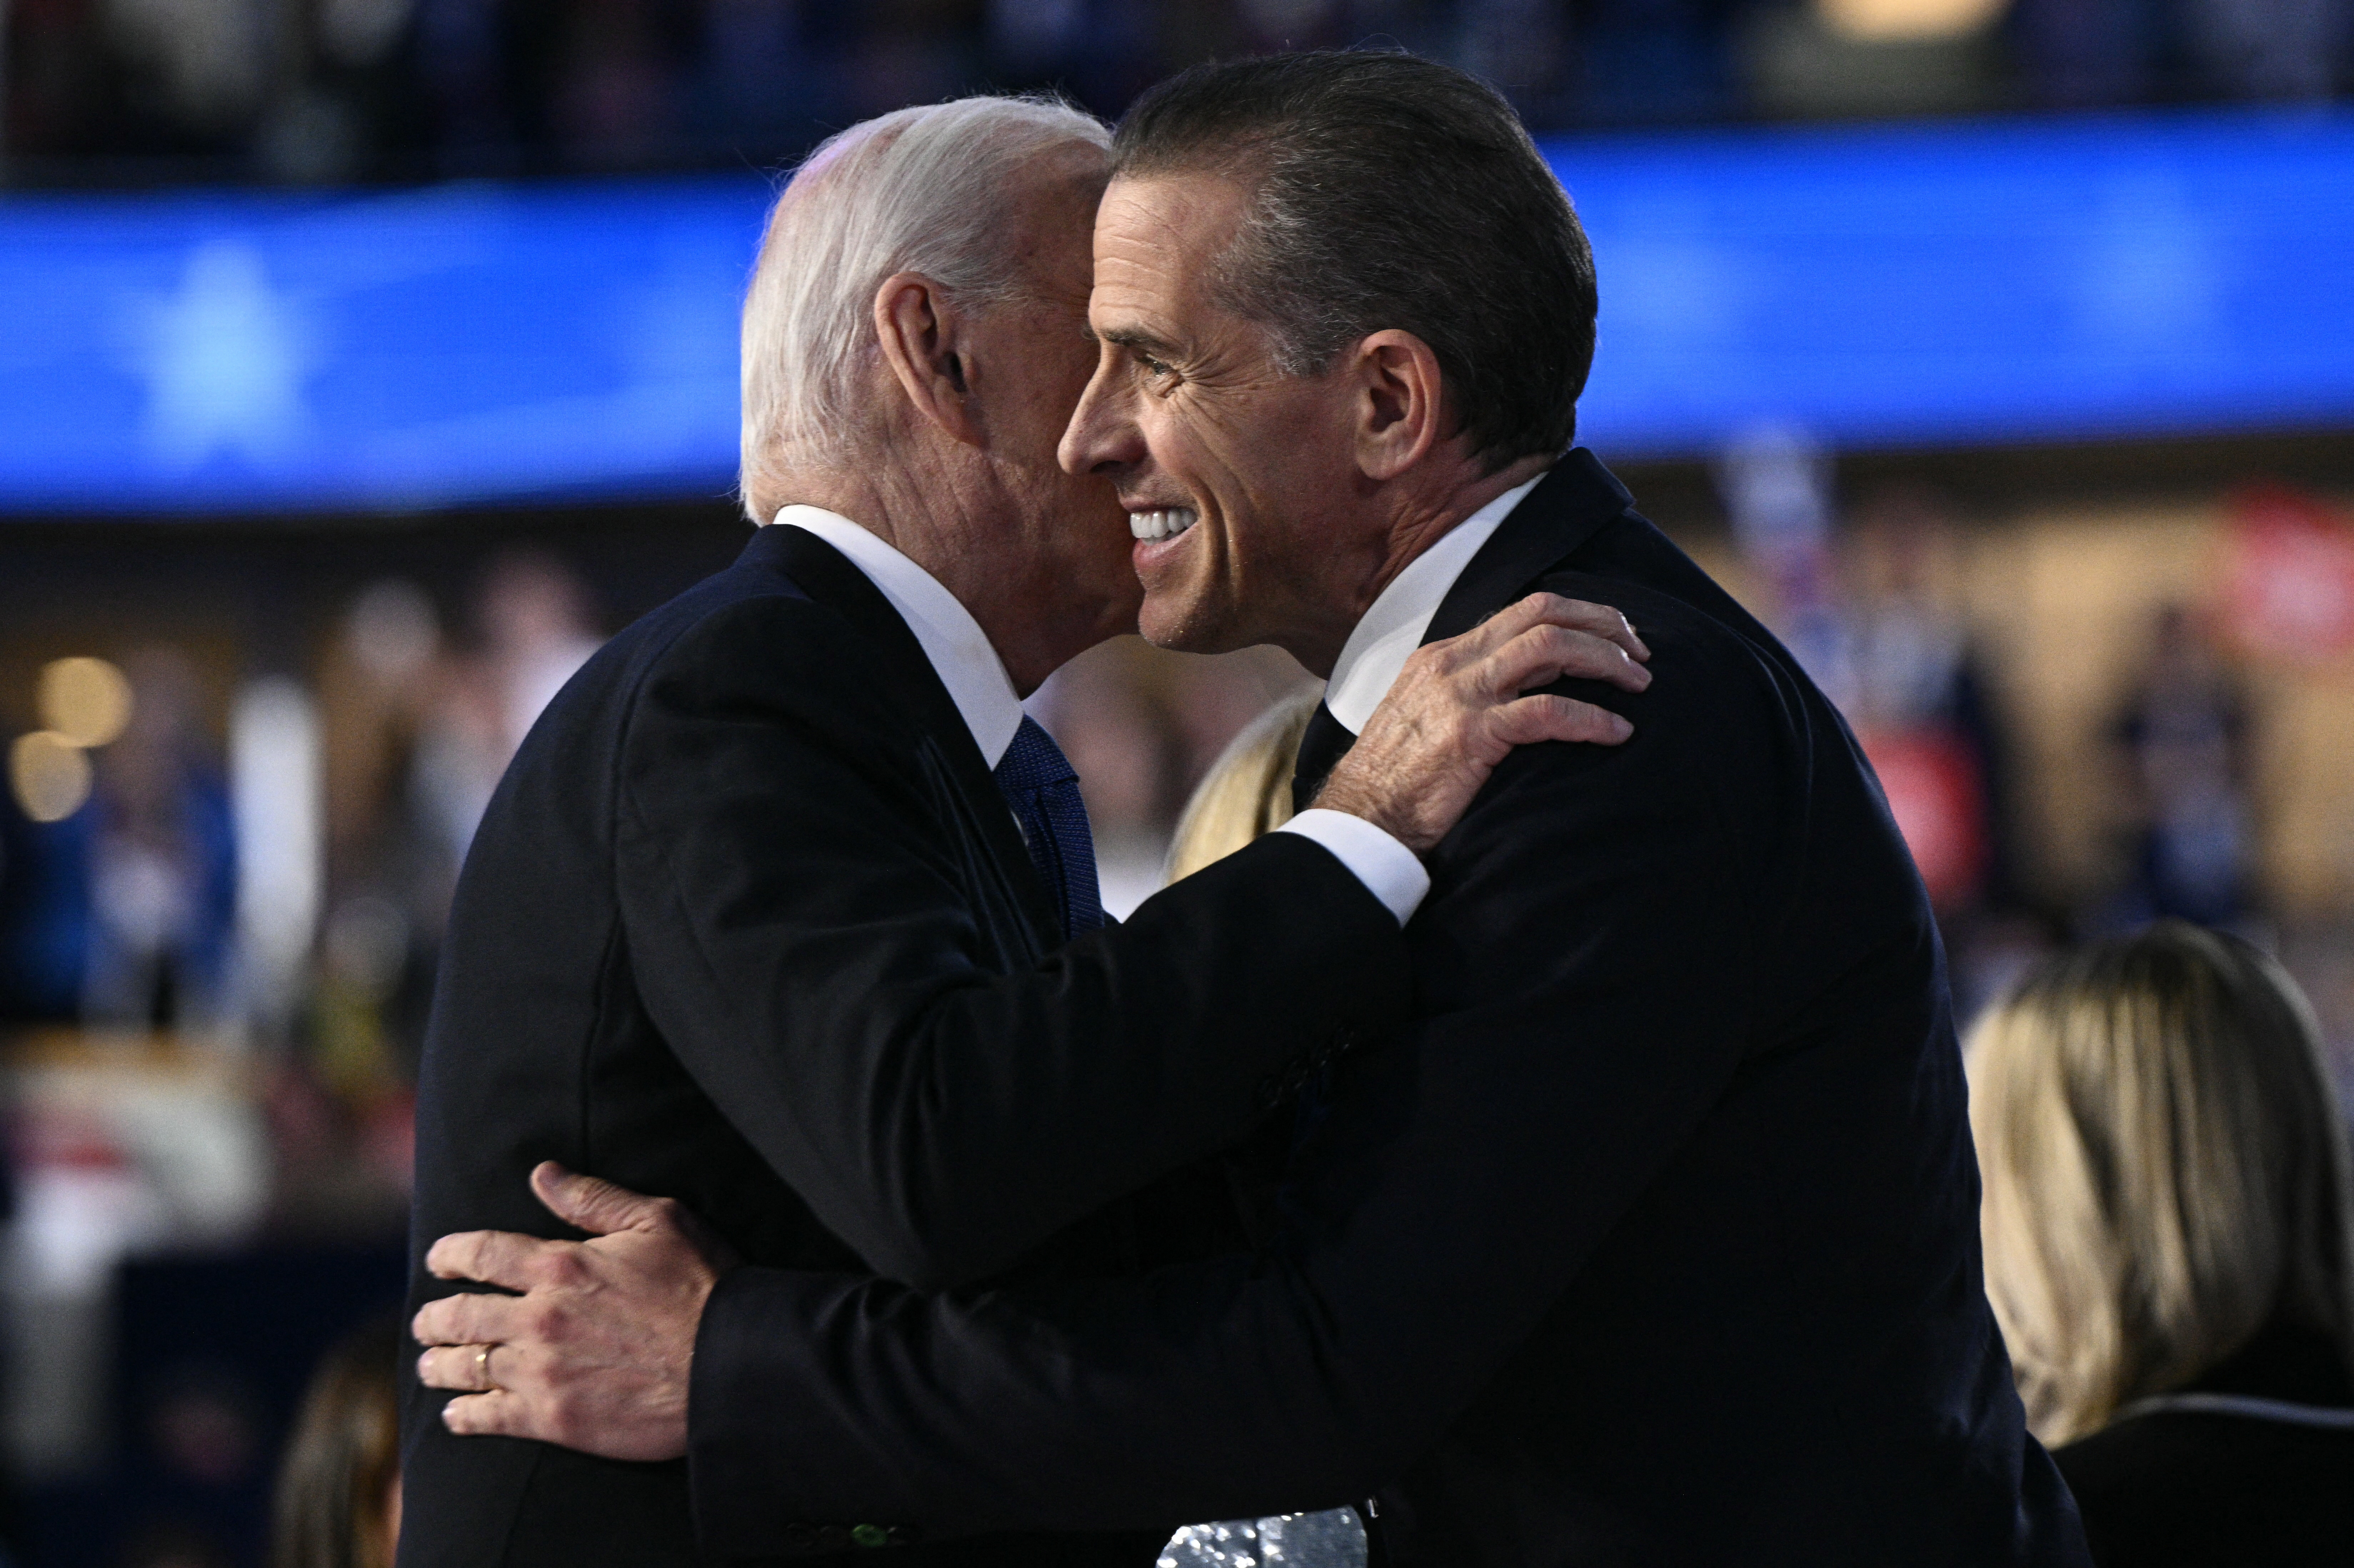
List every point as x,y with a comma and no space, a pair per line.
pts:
918,190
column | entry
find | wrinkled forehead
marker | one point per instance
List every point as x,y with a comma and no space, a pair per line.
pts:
1157,241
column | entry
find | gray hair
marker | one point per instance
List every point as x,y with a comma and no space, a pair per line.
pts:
918,190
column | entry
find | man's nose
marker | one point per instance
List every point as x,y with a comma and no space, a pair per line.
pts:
1102,435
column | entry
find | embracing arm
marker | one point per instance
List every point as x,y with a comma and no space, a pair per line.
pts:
1463,1177
801,928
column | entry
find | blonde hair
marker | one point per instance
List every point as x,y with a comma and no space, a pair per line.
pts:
918,190
2166,1169
1247,791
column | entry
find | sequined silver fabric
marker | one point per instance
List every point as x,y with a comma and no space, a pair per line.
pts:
1334,1539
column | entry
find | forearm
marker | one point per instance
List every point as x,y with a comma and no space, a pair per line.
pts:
944,1119
1165,1426
1463,1177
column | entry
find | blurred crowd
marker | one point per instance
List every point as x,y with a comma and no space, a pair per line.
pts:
308,90
224,874
221,892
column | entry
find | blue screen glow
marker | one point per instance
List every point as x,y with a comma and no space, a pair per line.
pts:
1891,286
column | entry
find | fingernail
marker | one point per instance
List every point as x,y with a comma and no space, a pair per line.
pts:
1619,727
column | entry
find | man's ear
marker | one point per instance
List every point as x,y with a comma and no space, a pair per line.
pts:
922,335
1400,402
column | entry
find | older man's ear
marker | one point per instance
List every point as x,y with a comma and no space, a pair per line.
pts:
922,337
1401,406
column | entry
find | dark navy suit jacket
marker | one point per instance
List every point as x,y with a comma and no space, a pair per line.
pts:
749,924
1648,1236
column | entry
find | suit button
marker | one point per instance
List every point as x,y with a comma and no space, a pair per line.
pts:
833,1538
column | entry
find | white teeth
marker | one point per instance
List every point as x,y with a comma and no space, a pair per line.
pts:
1166,522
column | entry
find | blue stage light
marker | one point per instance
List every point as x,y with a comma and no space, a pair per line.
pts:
1933,284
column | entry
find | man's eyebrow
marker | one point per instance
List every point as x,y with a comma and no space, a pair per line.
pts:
1134,338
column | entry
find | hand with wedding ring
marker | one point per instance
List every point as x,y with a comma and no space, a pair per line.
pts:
595,1348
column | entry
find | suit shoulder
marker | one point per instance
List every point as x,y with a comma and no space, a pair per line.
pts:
737,608
738,631
1713,683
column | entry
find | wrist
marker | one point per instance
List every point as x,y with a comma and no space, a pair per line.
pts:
1351,797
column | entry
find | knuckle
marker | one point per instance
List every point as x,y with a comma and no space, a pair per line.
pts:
530,1366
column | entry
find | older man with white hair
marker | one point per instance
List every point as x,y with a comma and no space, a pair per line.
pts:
1649,1234
787,911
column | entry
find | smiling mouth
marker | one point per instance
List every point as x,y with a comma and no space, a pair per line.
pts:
1161,522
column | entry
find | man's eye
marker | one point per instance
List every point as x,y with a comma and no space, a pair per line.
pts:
1152,367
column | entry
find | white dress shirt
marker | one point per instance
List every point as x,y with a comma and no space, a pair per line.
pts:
1368,667
967,666
952,638
1394,626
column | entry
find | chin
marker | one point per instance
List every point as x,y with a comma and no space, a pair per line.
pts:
1184,626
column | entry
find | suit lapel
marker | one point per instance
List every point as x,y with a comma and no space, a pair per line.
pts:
829,577
1557,517
1325,742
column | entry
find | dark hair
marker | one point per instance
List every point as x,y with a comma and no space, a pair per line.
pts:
1390,192
335,1486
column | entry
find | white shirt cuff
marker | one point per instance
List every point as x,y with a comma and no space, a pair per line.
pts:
1391,872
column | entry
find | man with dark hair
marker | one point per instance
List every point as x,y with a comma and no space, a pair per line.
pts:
1649,1233
1309,137
786,910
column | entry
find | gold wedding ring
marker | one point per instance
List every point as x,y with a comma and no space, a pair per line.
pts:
482,1367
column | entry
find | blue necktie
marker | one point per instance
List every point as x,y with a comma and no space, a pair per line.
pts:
1040,785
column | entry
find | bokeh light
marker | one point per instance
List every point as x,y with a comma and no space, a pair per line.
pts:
85,701
1891,21
51,775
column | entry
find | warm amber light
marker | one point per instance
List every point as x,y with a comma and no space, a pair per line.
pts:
87,700
1907,21
51,775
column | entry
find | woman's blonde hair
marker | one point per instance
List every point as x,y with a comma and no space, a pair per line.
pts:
2166,1169
1247,791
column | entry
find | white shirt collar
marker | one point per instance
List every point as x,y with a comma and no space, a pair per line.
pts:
1394,626
952,639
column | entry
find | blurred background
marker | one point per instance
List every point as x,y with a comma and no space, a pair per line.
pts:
363,363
